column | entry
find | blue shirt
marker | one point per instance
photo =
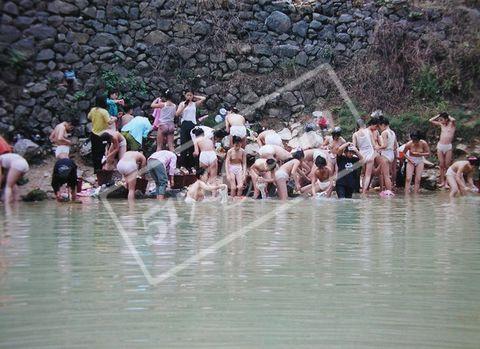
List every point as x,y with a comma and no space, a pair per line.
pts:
139,127
112,107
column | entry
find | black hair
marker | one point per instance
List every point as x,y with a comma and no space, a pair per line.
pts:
360,123
197,131
188,90
112,91
320,161
234,109
443,115
473,160
101,101
373,121
384,121
299,154
106,138
72,121
271,163
220,134
168,95
337,131
236,140
200,172
415,135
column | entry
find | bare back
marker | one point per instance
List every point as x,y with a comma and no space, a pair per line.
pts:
204,144
235,119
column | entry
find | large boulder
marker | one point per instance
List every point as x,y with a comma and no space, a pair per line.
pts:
278,22
157,37
26,148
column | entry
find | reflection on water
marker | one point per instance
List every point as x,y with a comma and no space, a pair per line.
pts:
354,273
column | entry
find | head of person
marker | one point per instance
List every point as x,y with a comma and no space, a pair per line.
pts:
372,124
233,110
71,124
61,174
198,132
188,94
106,138
360,124
101,101
474,160
201,174
113,94
271,164
444,118
415,136
168,95
336,132
349,151
237,142
298,154
320,162
128,108
383,123
219,135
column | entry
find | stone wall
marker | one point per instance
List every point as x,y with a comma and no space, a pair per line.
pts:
231,51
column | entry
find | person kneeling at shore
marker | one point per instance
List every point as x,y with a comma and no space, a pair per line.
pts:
128,167
289,169
319,174
196,192
65,172
157,164
456,174
16,167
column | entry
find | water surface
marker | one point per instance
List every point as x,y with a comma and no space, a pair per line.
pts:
400,273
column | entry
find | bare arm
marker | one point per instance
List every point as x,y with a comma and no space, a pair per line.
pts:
196,151
157,103
205,186
341,148
296,175
330,184
180,109
313,180
435,121
244,164
227,124
199,100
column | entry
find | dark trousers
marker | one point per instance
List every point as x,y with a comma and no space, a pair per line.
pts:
186,155
159,174
344,191
98,151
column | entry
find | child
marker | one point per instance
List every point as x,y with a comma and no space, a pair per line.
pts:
261,173
196,192
319,174
236,167
415,150
444,146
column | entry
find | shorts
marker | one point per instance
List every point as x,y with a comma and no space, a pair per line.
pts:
444,148
62,149
126,167
239,131
166,129
274,139
208,157
21,165
266,151
236,169
388,154
281,174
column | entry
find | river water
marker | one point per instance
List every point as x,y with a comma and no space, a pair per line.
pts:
398,273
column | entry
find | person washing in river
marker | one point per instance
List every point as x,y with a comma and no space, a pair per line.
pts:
415,152
460,176
236,167
12,168
444,145
235,125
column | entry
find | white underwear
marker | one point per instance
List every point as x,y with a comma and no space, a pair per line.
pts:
208,157
450,172
236,169
388,154
281,174
21,165
62,149
126,167
368,154
189,200
274,139
444,148
417,160
240,131
266,151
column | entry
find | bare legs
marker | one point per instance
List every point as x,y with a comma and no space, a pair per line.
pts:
411,169
445,160
131,180
282,189
368,176
11,185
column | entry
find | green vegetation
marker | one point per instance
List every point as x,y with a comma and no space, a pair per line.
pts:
13,59
130,87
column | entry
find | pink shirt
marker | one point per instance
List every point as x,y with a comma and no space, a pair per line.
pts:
168,158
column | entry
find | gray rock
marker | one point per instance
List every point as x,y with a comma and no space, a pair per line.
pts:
26,148
21,111
201,28
357,32
55,21
300,28
287,50
62,7
38,88
157,37
23,22
278,22
217,57
10,8
250,98
81,4
186,52
261,49
41,31
327,33
315,25
164,24
289,98
45,55
90,12
70,58
26,4
265,63
345,18
232,64
26,47
142,67
343,38
9,34
212,89
104,40
302,59
90,68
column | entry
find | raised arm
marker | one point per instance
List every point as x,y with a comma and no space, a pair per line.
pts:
435,121
199,100
180,109
341,148
157,103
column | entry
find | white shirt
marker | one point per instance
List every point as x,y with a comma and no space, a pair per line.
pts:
189,113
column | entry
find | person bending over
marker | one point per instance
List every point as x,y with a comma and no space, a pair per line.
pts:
196,191
128,167
12,168
289,169
65,172
262,173
457,173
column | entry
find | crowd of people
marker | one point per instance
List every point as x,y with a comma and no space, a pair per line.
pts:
323,163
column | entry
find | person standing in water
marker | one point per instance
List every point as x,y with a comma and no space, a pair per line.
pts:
364,140
65,172
262,173
235,125
205,150
12,168
187,110
444,145
389,150
347,177
196,192
162,165
236,167
319,174
128,167
415,151
115,149
59,137
289,169
457,173
164,123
